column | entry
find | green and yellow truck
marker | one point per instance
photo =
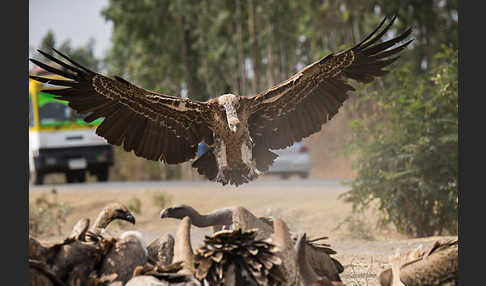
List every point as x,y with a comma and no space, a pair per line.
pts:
60,141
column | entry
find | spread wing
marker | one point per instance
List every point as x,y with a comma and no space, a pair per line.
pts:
154,126
298,107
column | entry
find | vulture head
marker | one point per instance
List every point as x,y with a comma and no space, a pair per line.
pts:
178,211
112,212
230,103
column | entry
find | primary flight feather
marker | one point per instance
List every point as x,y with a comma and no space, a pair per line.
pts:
240,130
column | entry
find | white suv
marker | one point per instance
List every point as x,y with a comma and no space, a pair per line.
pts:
291,160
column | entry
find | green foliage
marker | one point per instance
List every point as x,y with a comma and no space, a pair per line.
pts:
161,199
408,154
147,44
48,42
47,215
134,205
434,22
205,47
83,54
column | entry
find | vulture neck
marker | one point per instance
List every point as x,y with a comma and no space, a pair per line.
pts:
79,229
103,219
395,266
283,240
182,246
218,217
281,236
228,101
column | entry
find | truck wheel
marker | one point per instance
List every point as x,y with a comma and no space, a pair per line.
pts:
81,176
284,176
102,174
304,175
36,178
70,177
75,176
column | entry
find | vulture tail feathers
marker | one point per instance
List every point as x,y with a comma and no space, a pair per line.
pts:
264,158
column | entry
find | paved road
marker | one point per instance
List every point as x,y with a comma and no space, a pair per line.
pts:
260,183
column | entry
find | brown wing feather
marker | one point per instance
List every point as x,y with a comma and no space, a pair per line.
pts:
154,126
299,106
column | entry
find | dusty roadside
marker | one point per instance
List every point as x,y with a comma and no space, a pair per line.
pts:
310,206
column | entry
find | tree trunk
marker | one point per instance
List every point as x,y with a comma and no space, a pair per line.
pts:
186,57
254,47
241,60
271,65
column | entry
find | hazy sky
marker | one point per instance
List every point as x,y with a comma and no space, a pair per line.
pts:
78,20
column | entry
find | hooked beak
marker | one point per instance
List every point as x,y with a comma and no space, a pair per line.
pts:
130,218
163,213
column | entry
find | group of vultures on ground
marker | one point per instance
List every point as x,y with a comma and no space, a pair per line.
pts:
243,250
241,131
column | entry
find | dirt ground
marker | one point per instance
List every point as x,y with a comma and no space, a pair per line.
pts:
310,206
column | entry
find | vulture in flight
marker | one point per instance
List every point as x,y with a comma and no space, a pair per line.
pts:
240,130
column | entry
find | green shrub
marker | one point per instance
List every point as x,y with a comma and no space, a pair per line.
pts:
408,155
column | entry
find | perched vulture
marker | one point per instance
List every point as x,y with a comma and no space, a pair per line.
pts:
318,254
240,130
307,274
235,257
73,260
41,275
127,252
109,213
181,272
282,239
161,249
319,257
438,265
385,277
69,262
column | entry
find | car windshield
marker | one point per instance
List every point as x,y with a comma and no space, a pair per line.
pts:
54,112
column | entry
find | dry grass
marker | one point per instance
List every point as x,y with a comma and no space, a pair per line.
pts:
314,210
